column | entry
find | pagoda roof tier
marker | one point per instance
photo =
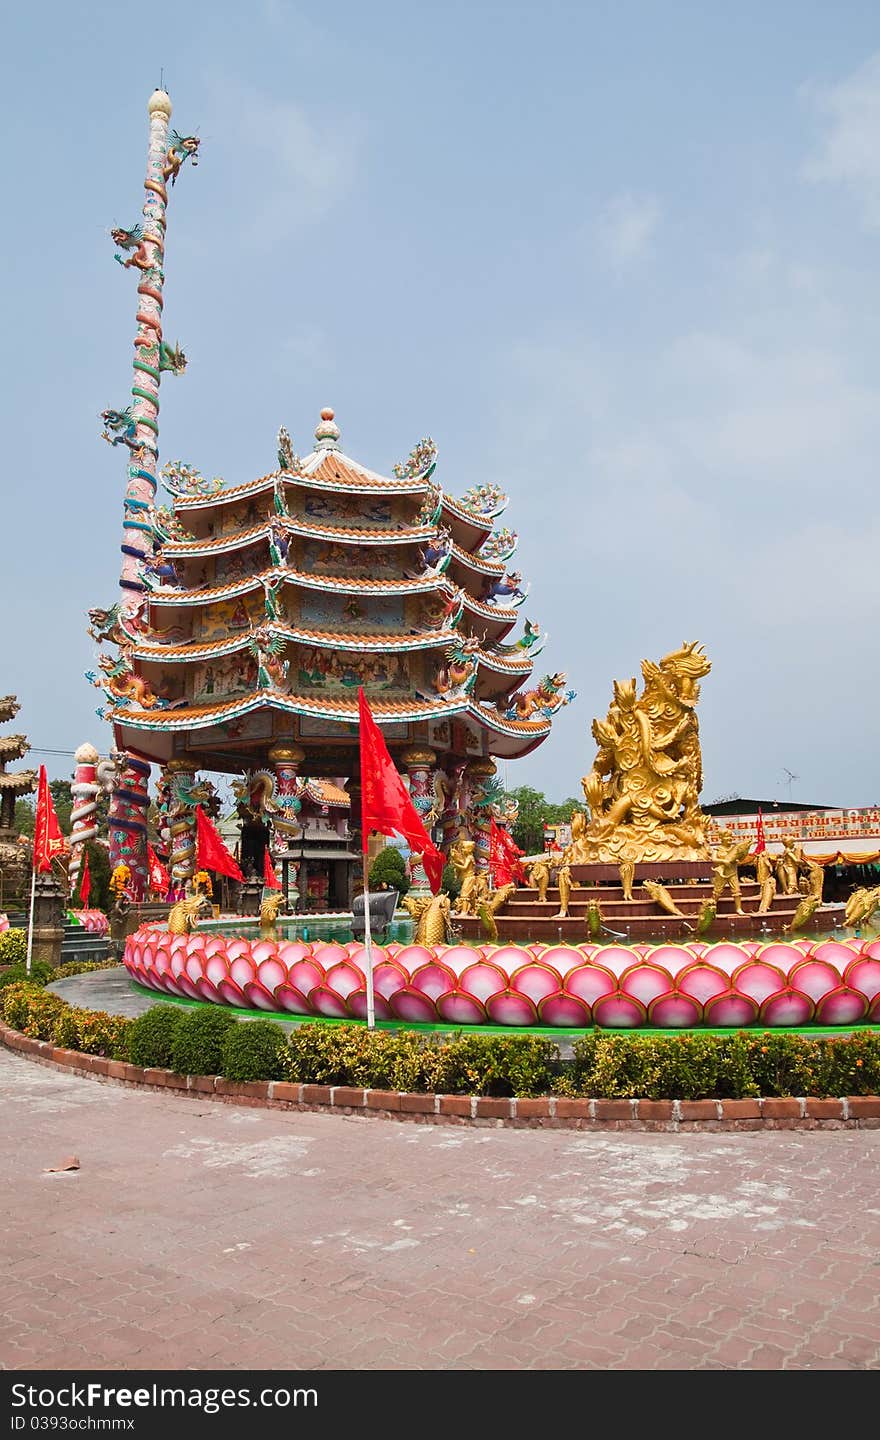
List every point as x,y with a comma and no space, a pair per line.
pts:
476,562
322,639
346,534
427,584
340,474
9,707
510,737
468,527
20,782
12,747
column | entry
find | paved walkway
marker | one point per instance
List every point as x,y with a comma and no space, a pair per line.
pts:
200,1235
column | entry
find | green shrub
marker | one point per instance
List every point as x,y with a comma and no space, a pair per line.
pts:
254,1050
13,947
83,967
151,1038
492,1065
388,871
41,973
197,1046
42,1013
352,1055
93,1032
15,1002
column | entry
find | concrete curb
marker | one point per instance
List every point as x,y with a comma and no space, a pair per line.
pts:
555,1112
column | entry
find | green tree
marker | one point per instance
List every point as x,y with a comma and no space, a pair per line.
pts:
388,871
534,811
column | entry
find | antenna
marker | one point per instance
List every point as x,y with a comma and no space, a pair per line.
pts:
790,777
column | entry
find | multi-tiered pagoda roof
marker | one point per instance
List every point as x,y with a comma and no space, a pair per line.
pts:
270,602
13,783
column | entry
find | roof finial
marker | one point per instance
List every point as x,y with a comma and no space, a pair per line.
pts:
327,432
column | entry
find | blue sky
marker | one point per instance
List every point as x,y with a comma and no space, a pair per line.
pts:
621,258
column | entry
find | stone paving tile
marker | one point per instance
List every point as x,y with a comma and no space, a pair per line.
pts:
200,1236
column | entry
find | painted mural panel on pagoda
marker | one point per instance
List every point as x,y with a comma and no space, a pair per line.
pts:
230,617
356,509
326,611
243,727
332,558
335,672
239,564
228,675
313,728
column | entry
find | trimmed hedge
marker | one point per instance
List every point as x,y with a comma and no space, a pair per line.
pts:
13,947
41,973
688,1066
197,1042
151,1037
254,1050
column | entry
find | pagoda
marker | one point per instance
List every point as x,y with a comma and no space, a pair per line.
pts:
14,857
250,614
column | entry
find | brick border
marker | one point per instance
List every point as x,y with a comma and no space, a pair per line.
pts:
555,1112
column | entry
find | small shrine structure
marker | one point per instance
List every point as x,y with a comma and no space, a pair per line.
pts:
14,784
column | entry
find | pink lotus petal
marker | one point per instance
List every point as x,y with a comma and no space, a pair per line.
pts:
511,1008
781,953
434,979
564,1010
412,956
304,975
216,967
482,980
758,980
727,956
702,982
195,967
207,991
619,1012
645,982
243,970
674,1011
326,1002
731,1009
863,974
458,957
271,974
871,948
566,957
672,957
328,953
841,1007
388,978
259,997
788,1007
345,977
358,956
835,953
263,950
357,1004
289,951
216,945
287,997
874,1012
815,977
460,1009
590,983
237,947
414,1006
618,958
231,993
537,981
510,957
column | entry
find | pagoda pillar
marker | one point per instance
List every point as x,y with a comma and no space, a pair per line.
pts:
127,824
84,790
7,810
287,759
479,772
453,818
178,778
419,764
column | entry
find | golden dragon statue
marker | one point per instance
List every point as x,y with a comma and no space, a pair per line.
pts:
271,906
184,916
433,917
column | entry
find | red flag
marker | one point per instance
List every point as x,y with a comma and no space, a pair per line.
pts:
85,882
48,839
211,853
761,843
505,862
269,876
160,881
385,802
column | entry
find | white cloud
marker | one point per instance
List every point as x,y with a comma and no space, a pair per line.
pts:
848,152
626,227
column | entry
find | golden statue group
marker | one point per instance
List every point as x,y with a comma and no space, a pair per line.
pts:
643,807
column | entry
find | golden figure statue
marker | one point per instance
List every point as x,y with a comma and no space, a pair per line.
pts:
627,875
433,917
563,880
273,904
539,877
729,855
577,851
861,906
461,857
803,913
768,893
815,877
661,896
764,863
788,864
643,790
489,907
183,917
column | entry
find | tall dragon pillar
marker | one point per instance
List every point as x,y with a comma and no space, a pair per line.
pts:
480,774
83,825
178,780
419,765
128,820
